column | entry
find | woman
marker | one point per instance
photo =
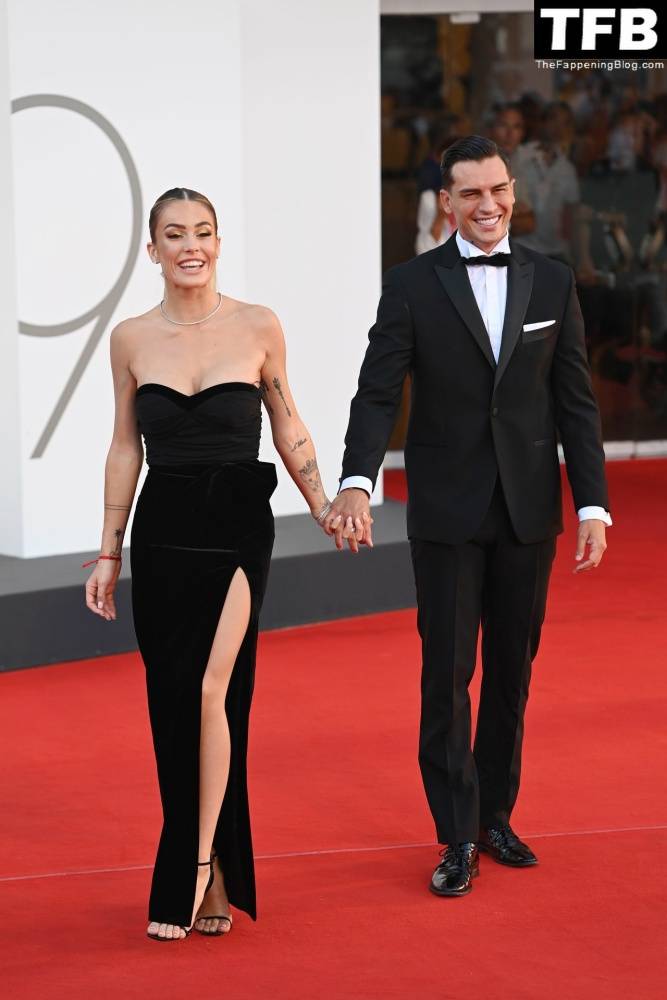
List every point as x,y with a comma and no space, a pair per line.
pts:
190,375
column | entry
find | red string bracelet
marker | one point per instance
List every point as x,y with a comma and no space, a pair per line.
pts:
114,558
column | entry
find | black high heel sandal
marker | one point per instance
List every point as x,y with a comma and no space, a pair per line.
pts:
213,916
187,930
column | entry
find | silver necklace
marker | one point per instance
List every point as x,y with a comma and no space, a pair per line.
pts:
191,322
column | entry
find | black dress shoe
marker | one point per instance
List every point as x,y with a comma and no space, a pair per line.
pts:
502,843
454,874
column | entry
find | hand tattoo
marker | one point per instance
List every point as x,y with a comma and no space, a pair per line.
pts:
311,475
278,388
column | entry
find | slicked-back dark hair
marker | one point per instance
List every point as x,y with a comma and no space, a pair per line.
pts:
471,147
178,194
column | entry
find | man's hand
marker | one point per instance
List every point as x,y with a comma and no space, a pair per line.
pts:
591,533
350,519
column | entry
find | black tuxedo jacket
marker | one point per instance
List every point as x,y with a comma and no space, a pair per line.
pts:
472,420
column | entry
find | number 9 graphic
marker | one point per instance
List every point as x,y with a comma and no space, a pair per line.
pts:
103,311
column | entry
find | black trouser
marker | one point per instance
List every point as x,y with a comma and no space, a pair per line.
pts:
501,583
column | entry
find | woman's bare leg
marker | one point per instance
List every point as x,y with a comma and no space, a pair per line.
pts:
214,748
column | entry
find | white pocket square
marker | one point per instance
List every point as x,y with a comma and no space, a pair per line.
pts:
538,326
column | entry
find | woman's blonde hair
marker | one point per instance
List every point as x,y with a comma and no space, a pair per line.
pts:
178,194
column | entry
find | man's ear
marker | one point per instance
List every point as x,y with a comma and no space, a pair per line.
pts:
446,201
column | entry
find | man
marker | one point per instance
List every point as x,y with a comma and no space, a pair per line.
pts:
549,182
498,365
433,226
507,131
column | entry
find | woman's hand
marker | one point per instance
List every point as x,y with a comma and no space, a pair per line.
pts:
320,511
100,587
349,519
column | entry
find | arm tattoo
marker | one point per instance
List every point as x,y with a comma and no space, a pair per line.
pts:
278,388
118,544
116,506
299,444
311,475
265,395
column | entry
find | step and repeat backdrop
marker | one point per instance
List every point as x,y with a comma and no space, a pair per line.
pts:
111,104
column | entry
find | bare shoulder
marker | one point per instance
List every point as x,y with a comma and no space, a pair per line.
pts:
127,336
122,332
128,329
267,325
261,320
259,317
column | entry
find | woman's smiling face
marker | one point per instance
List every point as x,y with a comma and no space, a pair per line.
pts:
186,244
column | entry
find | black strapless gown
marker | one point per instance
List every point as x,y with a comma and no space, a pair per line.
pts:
202,513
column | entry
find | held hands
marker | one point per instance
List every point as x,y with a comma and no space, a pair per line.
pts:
100,587
591,533
349,520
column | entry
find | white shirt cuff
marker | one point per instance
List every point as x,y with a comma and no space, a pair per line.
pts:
586,513
357,483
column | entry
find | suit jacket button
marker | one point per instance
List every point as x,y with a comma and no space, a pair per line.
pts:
494,411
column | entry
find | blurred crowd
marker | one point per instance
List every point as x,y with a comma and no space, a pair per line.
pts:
590,175
560,151
591,190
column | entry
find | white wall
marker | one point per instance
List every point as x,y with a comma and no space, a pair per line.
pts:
272,110
11,520
312,186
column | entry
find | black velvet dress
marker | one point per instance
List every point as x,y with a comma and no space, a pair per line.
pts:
202,513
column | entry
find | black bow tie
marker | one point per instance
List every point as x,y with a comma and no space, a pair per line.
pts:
494,260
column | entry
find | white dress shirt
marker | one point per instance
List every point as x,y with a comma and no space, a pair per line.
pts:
489,285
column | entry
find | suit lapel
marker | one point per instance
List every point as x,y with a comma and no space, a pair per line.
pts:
519,289
452,275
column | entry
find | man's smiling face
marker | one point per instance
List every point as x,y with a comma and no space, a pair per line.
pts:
481,197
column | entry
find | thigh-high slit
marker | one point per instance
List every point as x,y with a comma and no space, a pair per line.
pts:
193,528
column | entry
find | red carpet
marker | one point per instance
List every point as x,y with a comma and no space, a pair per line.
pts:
342,832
